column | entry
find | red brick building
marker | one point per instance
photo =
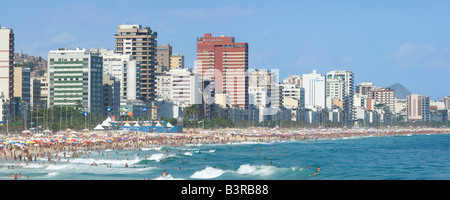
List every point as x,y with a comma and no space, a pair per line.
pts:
222,60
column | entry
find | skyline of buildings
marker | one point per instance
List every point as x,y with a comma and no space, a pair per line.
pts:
139,73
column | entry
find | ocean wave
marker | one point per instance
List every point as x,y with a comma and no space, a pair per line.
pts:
89,161
160,157
53,174
188,153
151,148
208,173
209,151
56,167
252,170
34,166
243,142
167,177
263,170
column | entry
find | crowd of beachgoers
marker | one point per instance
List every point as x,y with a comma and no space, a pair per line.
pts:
22,149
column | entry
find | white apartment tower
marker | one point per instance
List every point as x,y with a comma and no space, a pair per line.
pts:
339,86
6,63
75,79
126,70
314,85
293,96
261,86
180,86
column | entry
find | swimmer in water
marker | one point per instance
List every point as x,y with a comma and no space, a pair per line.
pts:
164,173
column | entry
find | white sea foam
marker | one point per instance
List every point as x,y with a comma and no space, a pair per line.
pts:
167,177
263,170
56,167
257,170
33,166
250,142
188,153
208,173
52,174
156,156
151,148
89,161
210,151
159,156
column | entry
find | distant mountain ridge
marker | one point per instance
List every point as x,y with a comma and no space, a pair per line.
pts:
400,91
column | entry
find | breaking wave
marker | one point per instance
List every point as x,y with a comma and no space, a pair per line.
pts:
208,173
252,170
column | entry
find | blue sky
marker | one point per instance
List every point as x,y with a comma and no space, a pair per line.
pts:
385,42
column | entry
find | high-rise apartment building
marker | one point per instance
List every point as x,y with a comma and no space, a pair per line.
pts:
339,87
177,61
385,96
293,96
75,79
111,95
261,84
223,62
314,85
44,90
364,87
418,107
185,87
163,53
35,93
141,44
294,79
7,63
22,84
125,69
180,86
446,101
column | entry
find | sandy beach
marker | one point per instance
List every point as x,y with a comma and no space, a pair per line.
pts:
18,151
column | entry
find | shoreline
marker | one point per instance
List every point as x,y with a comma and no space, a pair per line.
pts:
111,140
51,153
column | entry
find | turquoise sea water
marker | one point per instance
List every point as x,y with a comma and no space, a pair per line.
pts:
415,157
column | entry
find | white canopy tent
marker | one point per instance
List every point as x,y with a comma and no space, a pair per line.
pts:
98,127
106,124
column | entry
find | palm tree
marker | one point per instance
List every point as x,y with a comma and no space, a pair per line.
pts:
194,110
186,112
